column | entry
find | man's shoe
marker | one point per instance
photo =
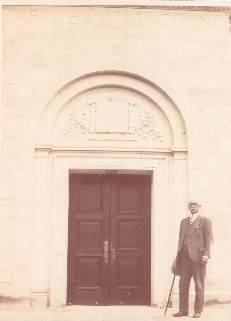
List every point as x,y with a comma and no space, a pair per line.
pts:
180,314
197,315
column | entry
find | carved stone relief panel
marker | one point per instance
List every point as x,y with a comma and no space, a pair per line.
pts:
111,115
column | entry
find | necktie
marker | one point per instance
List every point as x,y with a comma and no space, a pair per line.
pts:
191,219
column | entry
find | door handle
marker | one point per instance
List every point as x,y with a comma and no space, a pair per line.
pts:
113,252
105,252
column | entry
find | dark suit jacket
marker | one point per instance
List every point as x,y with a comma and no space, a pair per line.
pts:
199,238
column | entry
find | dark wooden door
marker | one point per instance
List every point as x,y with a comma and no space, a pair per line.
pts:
109,240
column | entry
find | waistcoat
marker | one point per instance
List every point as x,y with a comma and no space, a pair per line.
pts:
188,229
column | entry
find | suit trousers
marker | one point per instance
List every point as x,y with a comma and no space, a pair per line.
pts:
189,269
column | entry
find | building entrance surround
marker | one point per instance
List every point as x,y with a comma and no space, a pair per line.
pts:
108,123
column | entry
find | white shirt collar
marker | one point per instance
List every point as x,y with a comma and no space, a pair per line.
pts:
194,216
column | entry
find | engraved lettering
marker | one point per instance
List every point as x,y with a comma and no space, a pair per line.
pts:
58,17
80,16
72,16
205,20
34,15
179,20
193,21
165,20
86,17
102,18
150,18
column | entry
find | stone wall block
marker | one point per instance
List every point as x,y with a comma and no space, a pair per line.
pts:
5,277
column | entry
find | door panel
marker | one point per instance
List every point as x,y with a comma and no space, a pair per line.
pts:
109,244
88,230
130,233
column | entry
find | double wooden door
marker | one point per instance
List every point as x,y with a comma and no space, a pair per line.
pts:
109,240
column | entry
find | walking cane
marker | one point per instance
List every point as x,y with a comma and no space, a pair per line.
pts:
169,294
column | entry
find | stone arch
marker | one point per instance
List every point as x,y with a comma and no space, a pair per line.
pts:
130,83
53,163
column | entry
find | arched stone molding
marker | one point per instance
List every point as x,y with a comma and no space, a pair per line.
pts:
144,69
111,117
167,162
115,80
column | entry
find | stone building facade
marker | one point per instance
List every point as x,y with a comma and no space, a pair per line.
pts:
139,89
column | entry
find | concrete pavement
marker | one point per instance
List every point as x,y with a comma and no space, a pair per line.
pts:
108,313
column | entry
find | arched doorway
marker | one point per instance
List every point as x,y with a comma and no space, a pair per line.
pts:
107,123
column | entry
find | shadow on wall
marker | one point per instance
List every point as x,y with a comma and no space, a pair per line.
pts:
217,302
22,301
212,303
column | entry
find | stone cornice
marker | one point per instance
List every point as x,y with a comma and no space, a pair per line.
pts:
100,150
211,6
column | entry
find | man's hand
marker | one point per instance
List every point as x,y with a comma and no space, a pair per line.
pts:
204,260
175,267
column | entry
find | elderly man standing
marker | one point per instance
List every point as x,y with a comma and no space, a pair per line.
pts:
192,255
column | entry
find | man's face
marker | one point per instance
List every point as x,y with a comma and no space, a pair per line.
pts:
194,207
